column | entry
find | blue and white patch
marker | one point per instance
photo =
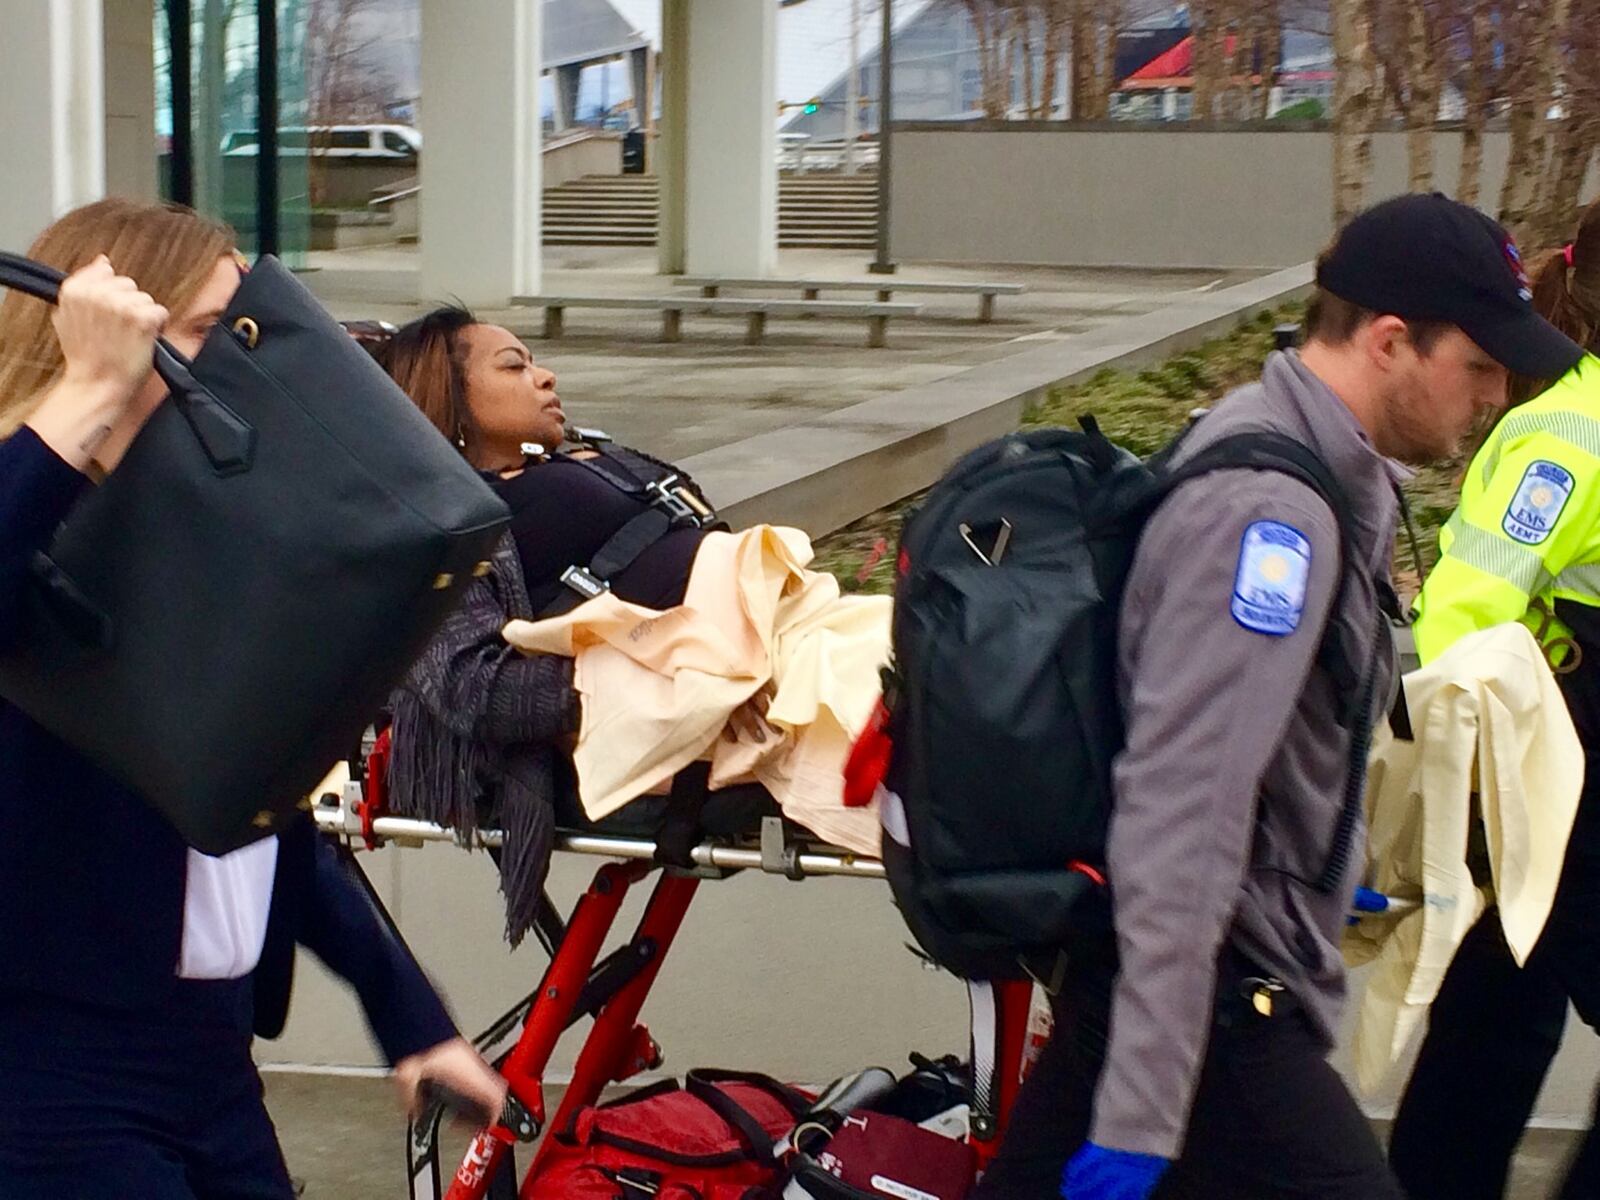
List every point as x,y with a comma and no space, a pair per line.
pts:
1535,509
1269,588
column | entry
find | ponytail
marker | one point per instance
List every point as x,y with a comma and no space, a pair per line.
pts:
1566,292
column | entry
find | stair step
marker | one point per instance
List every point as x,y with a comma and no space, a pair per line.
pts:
819,211
800,210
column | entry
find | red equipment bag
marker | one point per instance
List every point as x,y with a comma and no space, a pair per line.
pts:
712,1139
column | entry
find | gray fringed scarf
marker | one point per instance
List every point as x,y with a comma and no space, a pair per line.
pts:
477,733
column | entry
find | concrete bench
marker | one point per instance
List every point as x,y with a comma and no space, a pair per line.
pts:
672,308
810,289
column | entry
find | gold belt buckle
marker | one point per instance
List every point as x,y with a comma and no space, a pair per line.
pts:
1260,992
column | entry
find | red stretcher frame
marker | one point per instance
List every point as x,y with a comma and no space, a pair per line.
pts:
579,984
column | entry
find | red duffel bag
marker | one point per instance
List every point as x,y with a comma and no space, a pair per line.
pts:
711,1139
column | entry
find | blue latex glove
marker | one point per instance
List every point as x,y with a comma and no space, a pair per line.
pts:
1096,1173
1368,901
1365,903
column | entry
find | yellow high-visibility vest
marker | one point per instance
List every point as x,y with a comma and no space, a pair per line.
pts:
1527,530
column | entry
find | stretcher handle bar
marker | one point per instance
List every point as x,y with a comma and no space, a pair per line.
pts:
731,858
336,820
706,854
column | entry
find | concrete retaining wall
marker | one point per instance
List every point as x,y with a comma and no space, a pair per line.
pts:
847,463
1112,194
591,152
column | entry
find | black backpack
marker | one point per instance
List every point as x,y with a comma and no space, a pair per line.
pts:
1002,705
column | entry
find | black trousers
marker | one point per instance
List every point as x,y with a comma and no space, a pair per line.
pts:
101,1104
1271,1119
1492,1034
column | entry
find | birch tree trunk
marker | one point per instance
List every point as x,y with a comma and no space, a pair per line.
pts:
1022,39
1422,96
1054,27
1083,60
1476,93
1271,17
1531,93
1105,33
1353,107
1208,53
1573,140
1574,144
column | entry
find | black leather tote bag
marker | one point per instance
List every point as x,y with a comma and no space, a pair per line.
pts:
216,622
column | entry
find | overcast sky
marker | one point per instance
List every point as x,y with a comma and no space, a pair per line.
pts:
813,38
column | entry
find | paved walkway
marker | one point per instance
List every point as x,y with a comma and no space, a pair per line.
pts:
710,389
343,1139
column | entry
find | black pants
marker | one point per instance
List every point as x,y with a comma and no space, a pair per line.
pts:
1492,1034
97,1104
1271,1119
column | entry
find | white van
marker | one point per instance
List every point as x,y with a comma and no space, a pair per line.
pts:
383,143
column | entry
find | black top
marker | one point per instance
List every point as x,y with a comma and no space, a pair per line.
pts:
562,513
92,879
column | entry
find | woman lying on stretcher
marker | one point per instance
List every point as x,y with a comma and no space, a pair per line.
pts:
484,733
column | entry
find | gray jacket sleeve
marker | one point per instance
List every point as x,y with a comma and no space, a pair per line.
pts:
1207,703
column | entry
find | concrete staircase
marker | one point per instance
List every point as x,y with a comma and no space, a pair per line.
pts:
821,211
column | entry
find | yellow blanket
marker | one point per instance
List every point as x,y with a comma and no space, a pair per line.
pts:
658,687
1489,712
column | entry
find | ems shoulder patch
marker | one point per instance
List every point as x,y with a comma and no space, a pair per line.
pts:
1535,509
1269,588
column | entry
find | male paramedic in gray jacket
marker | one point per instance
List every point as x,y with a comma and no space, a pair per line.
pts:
1192,1061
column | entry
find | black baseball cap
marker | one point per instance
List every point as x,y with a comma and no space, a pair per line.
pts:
1430,258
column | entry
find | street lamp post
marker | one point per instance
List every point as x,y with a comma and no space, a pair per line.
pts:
180,51
852,91
883,264
267,218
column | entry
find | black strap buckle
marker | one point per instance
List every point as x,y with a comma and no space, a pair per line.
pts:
584,582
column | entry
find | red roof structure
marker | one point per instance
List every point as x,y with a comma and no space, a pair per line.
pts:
1172,69
1176,63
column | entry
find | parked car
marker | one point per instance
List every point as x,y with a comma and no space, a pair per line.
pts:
380,142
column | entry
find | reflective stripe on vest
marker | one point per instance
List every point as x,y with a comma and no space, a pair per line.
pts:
1582,582
1496,555
1572,427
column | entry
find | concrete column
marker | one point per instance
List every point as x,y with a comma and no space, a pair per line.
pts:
672,141
728,170
641,73
53,125
481,170
567,80
130,99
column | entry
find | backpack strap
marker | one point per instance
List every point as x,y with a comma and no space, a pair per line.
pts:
1270,451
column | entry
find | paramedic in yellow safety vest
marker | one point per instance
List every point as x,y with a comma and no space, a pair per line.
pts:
1524,545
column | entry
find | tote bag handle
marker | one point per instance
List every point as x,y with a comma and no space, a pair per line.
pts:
226,438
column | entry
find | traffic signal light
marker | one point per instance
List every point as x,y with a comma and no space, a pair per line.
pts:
811,106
